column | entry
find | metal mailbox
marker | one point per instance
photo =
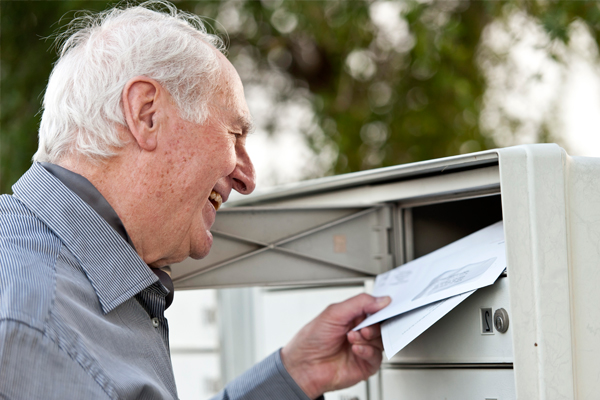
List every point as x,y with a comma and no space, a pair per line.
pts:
349,228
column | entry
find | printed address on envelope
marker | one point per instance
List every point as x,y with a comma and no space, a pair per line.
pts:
470,263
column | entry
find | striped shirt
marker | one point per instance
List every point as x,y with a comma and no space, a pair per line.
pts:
81,315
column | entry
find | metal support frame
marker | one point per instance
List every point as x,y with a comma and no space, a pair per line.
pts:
276,245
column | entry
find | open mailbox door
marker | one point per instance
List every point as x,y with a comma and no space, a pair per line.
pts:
352,227
292,245
333,230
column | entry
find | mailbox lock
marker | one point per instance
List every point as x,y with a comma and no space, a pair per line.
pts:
501,320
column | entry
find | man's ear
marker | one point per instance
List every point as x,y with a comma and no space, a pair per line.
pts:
140,104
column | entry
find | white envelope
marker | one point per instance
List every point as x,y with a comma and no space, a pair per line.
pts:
470,263
399,331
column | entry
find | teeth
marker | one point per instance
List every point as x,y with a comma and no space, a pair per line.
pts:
216,199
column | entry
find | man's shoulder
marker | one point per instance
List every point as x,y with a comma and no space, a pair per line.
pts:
12,208
28,254
22,232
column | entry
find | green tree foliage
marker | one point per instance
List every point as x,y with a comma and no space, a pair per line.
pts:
381,96
381,102
25,65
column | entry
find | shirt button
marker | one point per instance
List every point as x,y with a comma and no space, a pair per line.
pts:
155,322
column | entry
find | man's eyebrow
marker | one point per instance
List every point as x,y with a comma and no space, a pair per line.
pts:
246,124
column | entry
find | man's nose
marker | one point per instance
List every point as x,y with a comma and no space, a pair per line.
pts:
243,176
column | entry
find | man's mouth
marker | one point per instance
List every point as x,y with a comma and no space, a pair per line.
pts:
215,199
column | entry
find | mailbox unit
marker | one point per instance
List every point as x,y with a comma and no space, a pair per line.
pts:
349,228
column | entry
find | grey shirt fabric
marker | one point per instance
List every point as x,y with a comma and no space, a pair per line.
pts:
81,315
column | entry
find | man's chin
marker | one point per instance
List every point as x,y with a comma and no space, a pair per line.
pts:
203,250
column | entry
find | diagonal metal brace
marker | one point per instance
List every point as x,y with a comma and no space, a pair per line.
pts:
264,246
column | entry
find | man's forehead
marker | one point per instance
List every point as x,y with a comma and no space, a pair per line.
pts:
230,99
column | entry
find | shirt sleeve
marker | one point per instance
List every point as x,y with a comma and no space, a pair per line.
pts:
34,367
266,380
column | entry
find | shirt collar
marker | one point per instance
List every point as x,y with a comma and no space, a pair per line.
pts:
114,269
88,193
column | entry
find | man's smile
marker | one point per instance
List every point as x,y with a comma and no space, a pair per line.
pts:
215,199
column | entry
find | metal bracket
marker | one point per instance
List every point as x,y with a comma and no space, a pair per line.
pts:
379,239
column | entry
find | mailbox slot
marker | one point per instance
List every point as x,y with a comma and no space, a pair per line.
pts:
432,226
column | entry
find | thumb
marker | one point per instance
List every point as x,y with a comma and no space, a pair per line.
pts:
379,304
357,306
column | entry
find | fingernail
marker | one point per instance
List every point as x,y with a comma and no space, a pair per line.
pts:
383,299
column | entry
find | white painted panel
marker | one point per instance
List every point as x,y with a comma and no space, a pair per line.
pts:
362,178
192,320
456,182
584,246
197,375
448,384
535,226
457,337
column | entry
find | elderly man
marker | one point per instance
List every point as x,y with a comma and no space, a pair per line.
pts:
142,139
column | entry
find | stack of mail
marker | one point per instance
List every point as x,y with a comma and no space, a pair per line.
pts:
426,289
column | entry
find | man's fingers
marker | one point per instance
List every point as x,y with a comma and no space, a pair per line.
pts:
370,354
379,304
375,343
356,338
371,332
356,307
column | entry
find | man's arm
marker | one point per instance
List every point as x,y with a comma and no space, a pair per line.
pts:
325,355
266,380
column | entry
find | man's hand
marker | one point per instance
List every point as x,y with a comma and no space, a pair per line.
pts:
325,355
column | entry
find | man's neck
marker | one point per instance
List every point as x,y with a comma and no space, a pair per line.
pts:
117,187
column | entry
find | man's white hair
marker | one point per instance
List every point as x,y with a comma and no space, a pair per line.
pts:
99,53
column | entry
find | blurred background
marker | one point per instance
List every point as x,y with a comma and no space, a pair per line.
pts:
335,87
342,86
